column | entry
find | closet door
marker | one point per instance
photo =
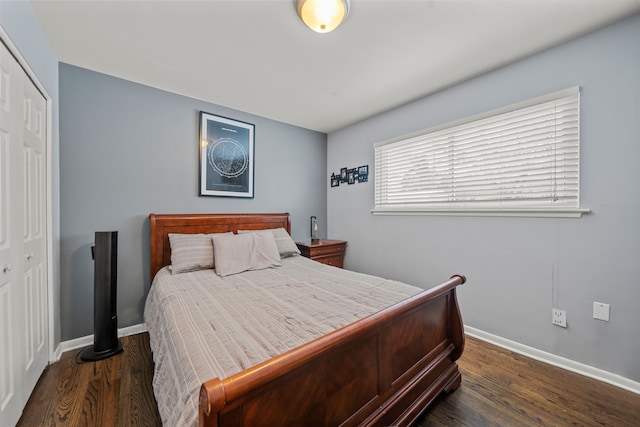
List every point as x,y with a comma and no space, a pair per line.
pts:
23,287
34,281
11,82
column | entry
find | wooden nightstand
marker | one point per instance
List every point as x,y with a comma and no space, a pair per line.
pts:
330,252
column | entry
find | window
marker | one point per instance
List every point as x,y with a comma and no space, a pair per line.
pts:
519,160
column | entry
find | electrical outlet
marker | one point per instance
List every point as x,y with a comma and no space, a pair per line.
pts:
559,317
601,311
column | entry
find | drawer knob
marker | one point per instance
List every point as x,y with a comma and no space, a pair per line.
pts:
6,268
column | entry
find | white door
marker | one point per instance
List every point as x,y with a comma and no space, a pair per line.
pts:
34,252
23,284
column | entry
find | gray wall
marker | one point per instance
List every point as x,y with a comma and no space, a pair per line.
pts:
127,150
518,268
22,26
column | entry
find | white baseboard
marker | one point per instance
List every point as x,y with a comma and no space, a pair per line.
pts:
88,340
552,359
132,330
57,354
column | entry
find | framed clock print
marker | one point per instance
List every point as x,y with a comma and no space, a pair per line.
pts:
226,156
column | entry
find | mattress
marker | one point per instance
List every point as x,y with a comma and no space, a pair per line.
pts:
203,326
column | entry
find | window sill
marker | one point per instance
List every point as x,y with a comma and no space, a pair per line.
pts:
514,212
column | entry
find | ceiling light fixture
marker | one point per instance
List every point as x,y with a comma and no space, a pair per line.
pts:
322,16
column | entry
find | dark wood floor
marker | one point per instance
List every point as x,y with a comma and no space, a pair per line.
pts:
502,388
111,392
499,388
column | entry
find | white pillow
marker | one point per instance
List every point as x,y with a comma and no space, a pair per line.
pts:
190,252
242,252
286,246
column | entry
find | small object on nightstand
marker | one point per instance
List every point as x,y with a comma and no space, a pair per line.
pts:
330,252
314,229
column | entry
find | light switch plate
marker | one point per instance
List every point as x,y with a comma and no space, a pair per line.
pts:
601,311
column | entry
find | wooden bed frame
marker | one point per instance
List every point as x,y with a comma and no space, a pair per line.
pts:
382,370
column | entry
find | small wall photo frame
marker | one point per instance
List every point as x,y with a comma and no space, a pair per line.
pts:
226,156
343,175
352,176
363,173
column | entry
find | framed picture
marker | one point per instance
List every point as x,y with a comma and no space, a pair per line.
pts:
352,176
343,174
363,173
226,156
335,181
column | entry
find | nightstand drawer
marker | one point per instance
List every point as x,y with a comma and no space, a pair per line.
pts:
326,250
335,260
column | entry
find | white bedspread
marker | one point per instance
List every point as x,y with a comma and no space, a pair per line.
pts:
203,326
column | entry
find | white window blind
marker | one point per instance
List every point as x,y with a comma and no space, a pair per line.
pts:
522,158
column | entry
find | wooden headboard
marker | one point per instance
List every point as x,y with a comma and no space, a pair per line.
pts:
162,225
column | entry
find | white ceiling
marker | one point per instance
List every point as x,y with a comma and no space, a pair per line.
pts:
258,57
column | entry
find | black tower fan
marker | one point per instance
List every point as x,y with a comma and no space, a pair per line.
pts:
105,317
